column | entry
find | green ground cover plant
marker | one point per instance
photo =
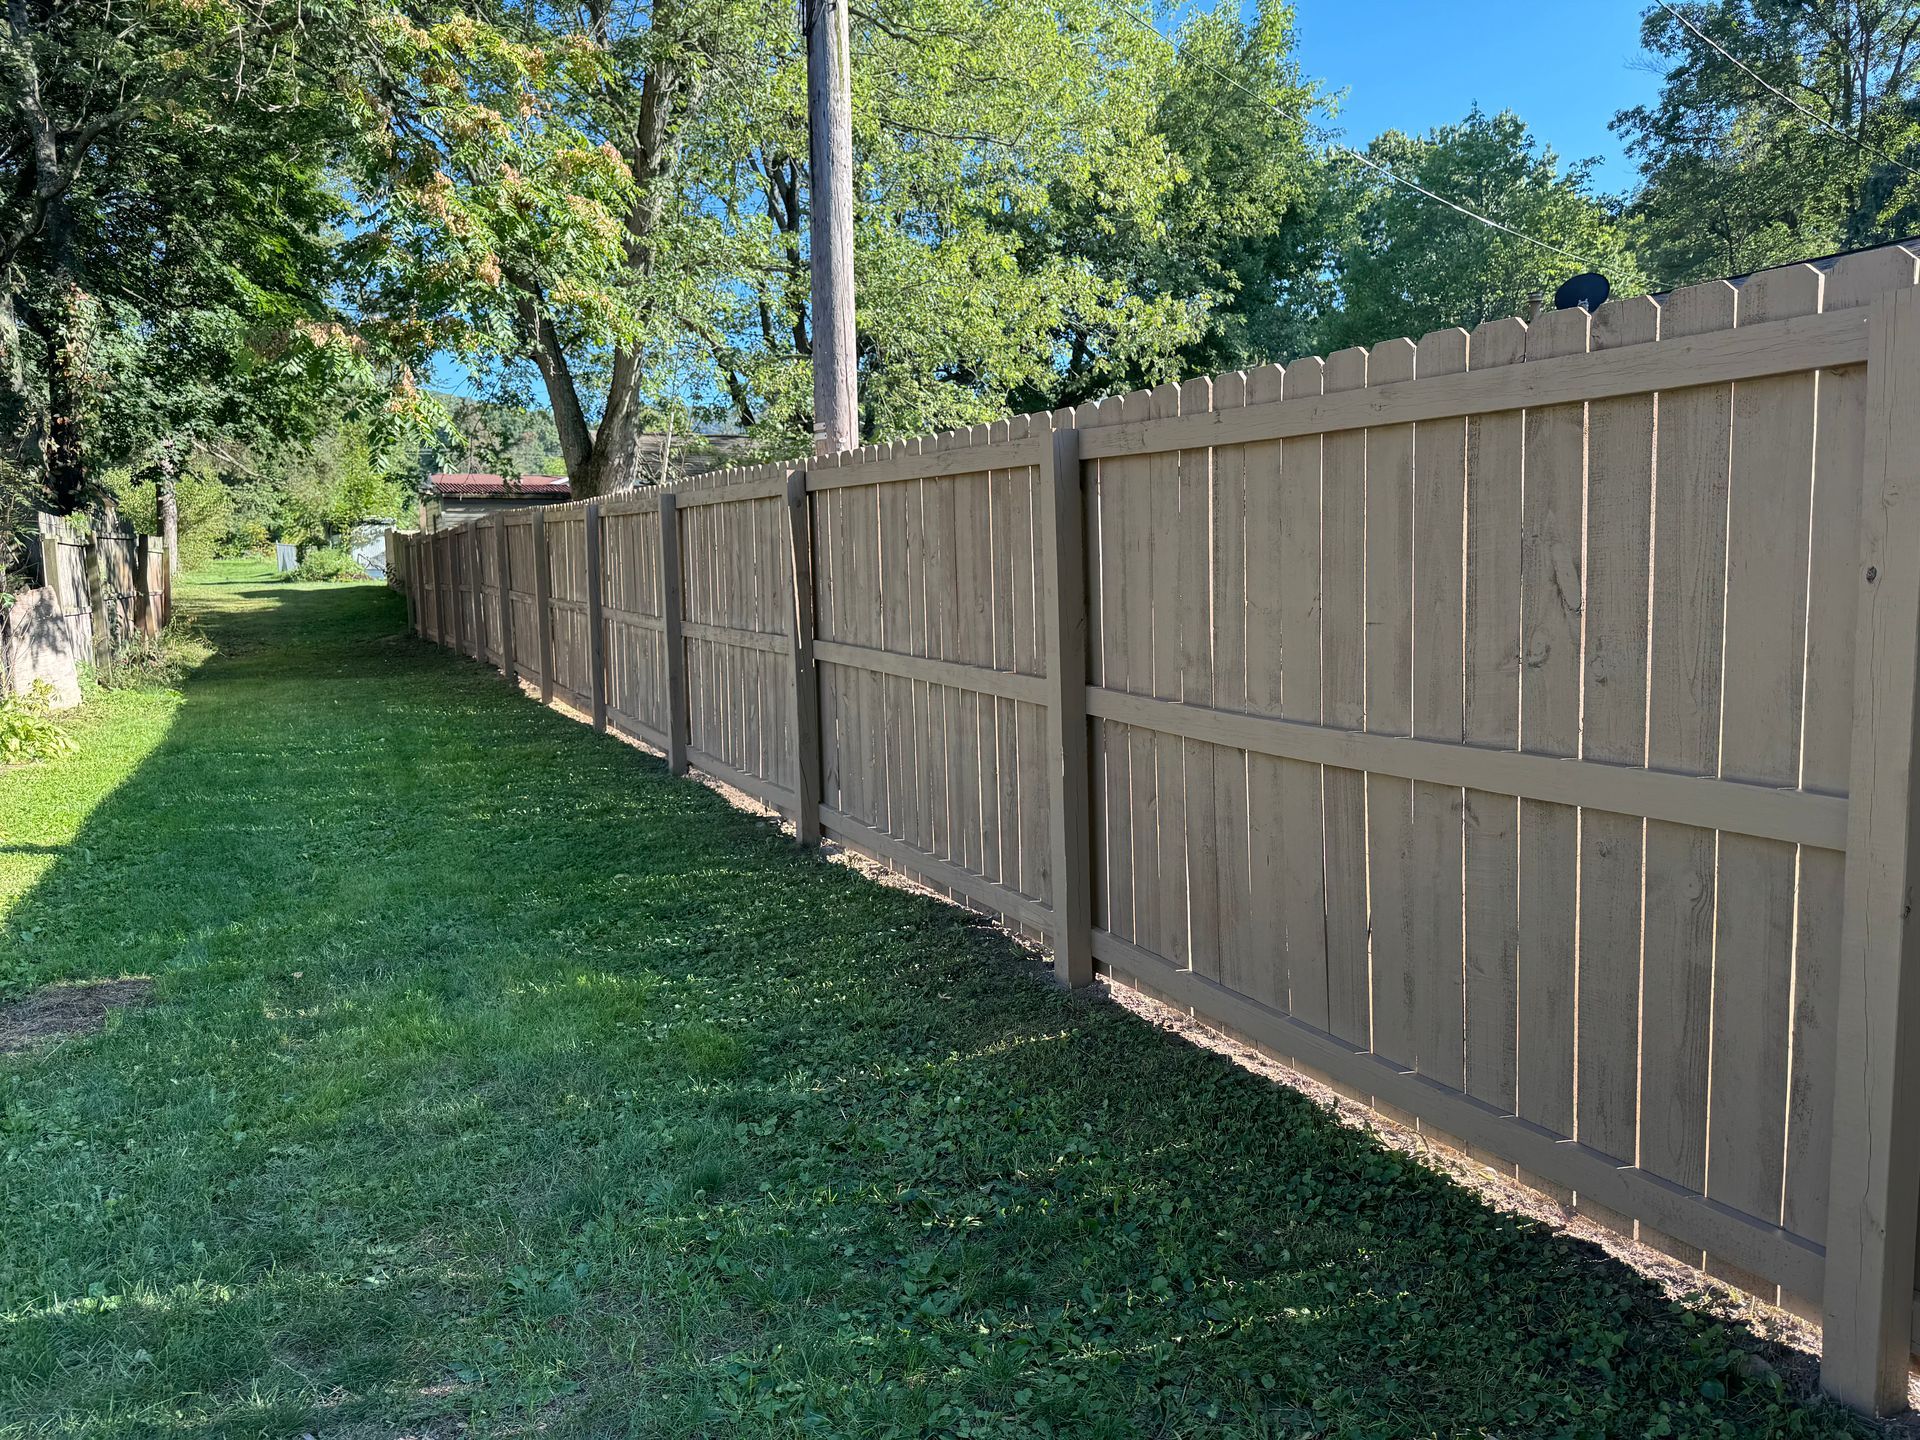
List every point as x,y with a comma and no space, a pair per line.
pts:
28,731
493,1082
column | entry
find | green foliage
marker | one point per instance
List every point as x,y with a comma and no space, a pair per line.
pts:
1735,178
203,506
326,563
27,732
341,480
1406,266
435,1126
160,661
499,437
168,214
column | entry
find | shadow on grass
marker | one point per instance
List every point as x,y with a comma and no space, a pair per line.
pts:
495,1079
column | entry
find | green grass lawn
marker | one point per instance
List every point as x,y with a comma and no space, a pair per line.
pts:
495,1081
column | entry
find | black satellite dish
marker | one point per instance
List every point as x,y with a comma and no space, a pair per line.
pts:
1588,291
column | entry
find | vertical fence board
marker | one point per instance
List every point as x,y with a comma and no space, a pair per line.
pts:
1434,884
1063,599
1691,485
1492,718
1765,629
1619,553
1552,599
1389,711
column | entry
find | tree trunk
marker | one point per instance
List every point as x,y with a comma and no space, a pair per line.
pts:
169,507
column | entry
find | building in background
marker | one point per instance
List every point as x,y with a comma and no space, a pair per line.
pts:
454,497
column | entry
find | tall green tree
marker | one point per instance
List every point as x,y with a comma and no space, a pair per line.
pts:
1781,134
165,216
1406,264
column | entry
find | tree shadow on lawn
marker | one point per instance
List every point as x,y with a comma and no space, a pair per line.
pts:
494,1078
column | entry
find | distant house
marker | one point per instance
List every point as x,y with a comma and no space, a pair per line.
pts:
454,497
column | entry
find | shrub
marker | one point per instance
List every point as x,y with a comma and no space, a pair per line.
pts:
26,732
246,537
162,661
328,562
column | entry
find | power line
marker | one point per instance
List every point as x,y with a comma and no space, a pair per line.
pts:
1764,84
1366,160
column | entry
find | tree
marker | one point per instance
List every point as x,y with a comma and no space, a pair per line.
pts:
1406,265
1736,177
1235,228
525,206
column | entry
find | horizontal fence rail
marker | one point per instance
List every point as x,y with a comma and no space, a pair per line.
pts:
1514,729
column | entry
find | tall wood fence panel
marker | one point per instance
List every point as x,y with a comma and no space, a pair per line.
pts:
484,550
1513,728
567,601
736,618
930,670
635,618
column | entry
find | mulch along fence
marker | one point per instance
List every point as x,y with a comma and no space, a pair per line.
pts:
1515,728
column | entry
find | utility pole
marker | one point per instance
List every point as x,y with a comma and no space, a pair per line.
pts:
836,378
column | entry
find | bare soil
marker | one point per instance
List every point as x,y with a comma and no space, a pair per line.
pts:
61,1012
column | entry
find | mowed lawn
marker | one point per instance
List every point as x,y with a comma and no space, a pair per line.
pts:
495,1083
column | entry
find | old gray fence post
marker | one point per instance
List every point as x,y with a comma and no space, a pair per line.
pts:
504,571
804,675
596,632
670,624
1063,597
543,610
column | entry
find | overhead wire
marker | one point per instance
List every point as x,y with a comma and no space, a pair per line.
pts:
1779,94
1368,160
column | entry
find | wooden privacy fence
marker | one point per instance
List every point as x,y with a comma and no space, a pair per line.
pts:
1515,728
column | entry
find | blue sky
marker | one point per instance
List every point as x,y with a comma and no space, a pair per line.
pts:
1409,65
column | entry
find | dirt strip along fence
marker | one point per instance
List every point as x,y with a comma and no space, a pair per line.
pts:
1515,729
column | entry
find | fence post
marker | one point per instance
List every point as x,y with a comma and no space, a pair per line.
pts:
806,680
96,568
1875,1179
502,567
543,613
596,639
476,573
416,608
462,608
433,575
675,646
1063,595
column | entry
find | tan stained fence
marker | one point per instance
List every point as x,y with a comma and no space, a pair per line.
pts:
1516,729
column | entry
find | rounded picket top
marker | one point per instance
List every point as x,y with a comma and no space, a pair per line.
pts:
1559,332
1266,383
1699,309
1347,369
1306,376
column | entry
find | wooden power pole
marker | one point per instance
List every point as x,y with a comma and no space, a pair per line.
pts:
836,380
